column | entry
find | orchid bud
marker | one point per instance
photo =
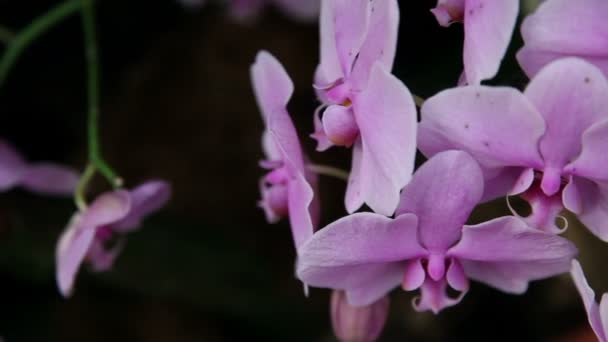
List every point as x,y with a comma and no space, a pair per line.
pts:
357,324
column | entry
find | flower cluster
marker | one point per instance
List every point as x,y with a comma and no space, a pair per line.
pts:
545,144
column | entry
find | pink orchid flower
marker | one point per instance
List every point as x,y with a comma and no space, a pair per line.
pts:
597,314
548,143
427,245
44,178
91,231
286,189
488,26
562,28
360,324
367,107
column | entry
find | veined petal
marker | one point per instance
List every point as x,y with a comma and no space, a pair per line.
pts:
442,194
48,178
380,43
563,28
386,115
271,85
145,199
488,26
506,253
588,296
498,126
359,239
571,95
343,27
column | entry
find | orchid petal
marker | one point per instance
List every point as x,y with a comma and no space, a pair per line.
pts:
102,259
594,206
380,43
442,194
562,28
12,166
591,162
272,86
506,253
108,208
47,178
571,95
588,296
354,191
415,274
299,200
488,26
498,126
448,12
386,115
145,199
72,247
339,125
343,27
433,296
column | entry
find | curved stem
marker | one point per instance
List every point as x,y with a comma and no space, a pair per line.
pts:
328,171
81,188
92,59
36,28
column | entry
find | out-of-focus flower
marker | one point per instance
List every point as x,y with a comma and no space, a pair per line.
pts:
488,26
93,234
286,189
565,28
597,314
41,177
357,324
427,246
549,141
367,107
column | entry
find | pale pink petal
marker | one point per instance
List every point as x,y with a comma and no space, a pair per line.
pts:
563,28
414,276
72,247
588,296
488,26
53,179
354,191
380,43
339,125
299,200
449,11
386,115
343,27
591,162
571,95
498,126
352,323
377,284
507,254
108,208
145,200
271,85
442,194
593,211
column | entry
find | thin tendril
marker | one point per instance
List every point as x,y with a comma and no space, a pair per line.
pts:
328,171
18,43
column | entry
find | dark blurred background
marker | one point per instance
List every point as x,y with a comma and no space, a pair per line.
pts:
177,104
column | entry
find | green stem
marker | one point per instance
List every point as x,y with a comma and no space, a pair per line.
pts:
81,188
25,37
92,59
328,171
